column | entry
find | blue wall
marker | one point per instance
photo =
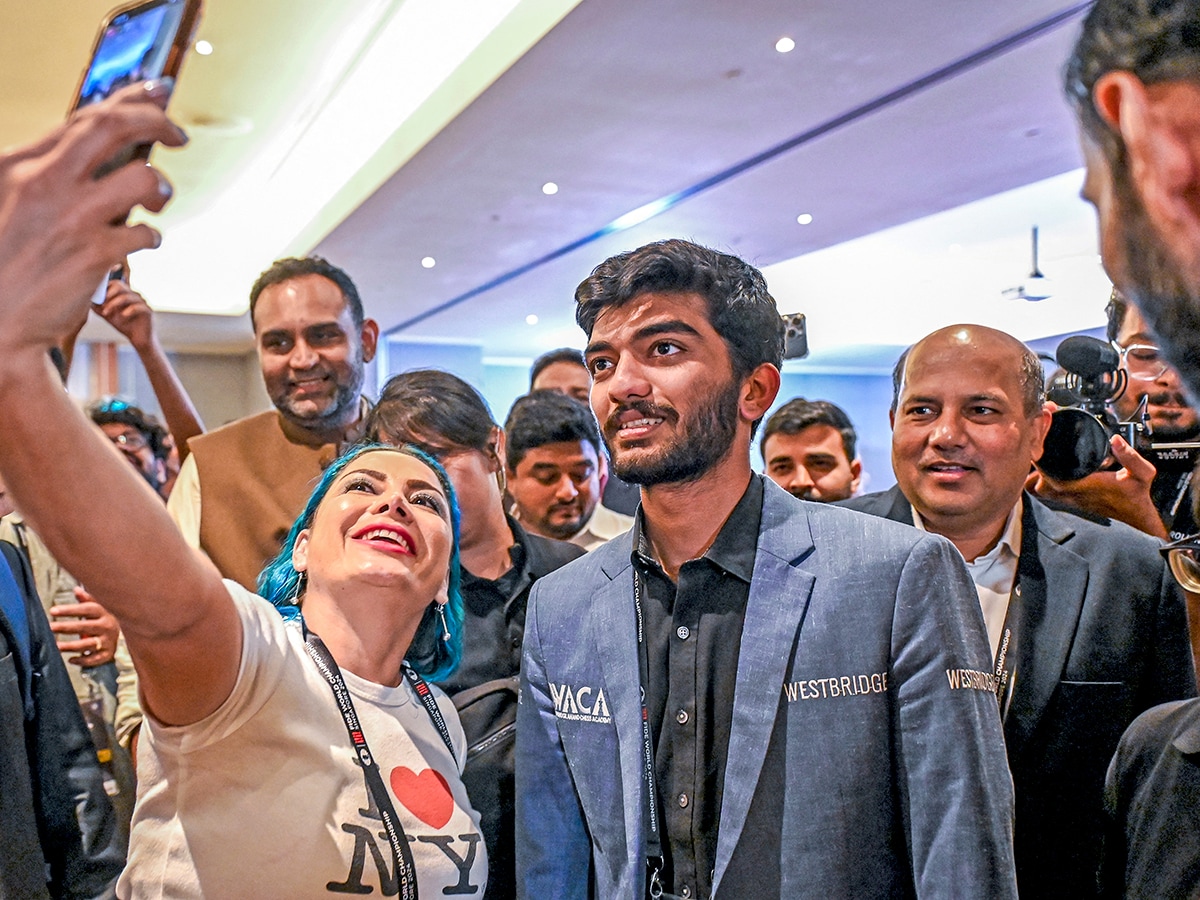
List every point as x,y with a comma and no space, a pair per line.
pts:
866,399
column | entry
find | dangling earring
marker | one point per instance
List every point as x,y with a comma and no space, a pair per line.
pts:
301,586
441,611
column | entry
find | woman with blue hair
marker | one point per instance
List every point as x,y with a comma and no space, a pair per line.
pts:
291,750
371,566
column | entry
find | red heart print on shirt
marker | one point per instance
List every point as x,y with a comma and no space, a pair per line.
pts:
426,796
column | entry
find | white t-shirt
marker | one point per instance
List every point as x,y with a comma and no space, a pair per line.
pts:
264,798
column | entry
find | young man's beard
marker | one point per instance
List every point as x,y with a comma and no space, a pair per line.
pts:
704,439
1158,286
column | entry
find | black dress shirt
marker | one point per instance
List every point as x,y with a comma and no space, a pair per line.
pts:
694,632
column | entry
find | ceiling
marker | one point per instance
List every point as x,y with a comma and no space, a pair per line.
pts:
380,132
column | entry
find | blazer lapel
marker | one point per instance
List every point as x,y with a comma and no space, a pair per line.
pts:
900,509
615,635
779,594
1052,581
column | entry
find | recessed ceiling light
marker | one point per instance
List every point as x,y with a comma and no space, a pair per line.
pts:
549,188
531,319
204,48
785,45
428,262
804,219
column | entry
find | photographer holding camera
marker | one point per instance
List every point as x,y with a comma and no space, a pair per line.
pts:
1149,487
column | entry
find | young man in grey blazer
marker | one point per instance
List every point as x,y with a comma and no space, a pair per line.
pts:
746,695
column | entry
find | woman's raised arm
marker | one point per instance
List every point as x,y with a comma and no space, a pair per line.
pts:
61,229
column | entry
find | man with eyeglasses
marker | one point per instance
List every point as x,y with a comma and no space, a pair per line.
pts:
1151,492
137,435
1171,417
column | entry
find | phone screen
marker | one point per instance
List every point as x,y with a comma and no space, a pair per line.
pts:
134,47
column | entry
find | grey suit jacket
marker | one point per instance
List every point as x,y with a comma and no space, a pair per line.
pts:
1103,637
865,638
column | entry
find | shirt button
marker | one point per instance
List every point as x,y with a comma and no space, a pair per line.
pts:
683,631
681,717
683,801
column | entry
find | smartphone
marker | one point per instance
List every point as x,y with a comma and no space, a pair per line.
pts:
137,42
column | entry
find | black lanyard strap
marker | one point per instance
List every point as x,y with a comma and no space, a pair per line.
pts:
650,822
425,695
406,870
1006,653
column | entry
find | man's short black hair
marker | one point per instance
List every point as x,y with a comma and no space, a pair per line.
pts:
798,414
740,309
547,417
435,410
561,355
297,267
1156,40
1116,309
114,411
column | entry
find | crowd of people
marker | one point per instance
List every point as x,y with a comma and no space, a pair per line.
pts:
391,645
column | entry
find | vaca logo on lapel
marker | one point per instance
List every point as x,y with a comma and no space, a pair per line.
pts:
580,704
425,795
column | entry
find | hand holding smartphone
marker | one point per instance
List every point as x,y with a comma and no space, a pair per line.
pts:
138,41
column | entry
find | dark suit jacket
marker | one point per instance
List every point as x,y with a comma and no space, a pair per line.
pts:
1152,849
60,832
856,639
1103,637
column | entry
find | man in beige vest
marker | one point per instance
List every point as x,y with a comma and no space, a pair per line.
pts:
243,484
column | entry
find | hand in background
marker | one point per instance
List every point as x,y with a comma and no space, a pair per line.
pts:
95,630
1122,494
127,311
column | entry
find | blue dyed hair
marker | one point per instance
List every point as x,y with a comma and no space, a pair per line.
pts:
282,585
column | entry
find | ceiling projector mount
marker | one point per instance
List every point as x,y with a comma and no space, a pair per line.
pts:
1036,286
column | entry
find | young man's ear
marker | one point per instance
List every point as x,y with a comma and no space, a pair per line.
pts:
758,392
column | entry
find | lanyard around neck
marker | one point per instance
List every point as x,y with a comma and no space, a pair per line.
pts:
1005,665
406,870
650,820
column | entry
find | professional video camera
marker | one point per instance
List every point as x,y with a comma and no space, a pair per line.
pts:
1077,443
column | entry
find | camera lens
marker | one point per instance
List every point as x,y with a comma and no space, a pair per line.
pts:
1076,445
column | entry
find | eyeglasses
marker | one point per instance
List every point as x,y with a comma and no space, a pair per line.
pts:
130,440
1142,361
1183,556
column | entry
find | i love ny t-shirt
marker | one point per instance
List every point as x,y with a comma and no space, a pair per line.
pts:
264,798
